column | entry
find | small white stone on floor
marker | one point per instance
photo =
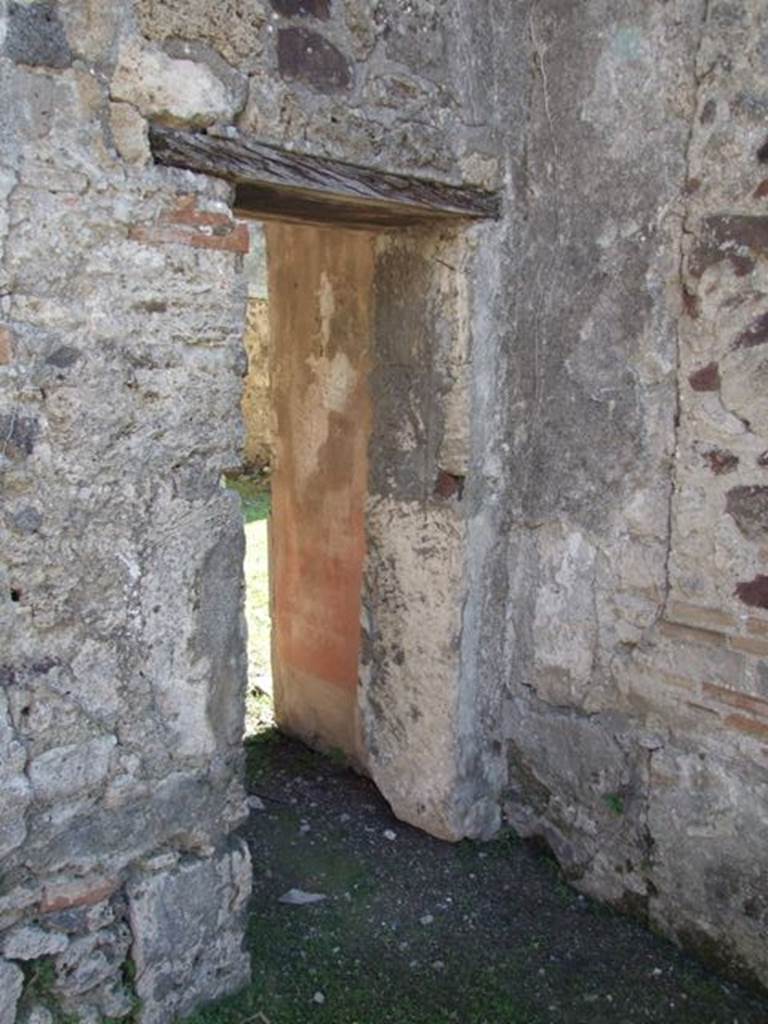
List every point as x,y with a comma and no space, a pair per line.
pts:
438,965
299,898
256,803
389,834
426,919
318,998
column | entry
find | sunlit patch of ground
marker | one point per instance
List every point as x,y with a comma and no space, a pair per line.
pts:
255,499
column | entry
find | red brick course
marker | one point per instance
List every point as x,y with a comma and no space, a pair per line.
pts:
202,229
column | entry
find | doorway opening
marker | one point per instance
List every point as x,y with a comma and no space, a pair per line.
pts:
253,484
369,359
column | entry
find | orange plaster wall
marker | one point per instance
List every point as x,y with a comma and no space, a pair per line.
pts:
321,290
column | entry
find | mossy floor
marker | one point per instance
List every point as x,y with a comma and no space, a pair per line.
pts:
416,931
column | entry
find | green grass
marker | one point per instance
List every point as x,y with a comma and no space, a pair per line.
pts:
254,495
39,982
615,802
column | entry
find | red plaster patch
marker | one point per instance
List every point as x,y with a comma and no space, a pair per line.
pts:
755,334
706,379
449,485
753,592
720,460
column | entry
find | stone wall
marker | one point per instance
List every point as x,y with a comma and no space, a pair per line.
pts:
611,588
123,667
122,307
415,585
623,462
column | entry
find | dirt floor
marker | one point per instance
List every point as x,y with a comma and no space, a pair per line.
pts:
417,931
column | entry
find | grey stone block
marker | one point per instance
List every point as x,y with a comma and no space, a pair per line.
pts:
28,942
36,35
68,771
188,926
11,983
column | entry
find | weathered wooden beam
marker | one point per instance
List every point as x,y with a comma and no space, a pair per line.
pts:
275,183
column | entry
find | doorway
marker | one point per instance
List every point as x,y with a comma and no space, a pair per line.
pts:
370,324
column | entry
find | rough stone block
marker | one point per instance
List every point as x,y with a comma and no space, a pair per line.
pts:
36,35
91,962
576,781
231,27
188,931
709,825
179,92
15,797
11,983
129,133
303,8
28,942
69,771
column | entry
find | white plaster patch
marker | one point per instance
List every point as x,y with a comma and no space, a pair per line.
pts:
623,77
327,306
334,384
335,380
416,564
565,618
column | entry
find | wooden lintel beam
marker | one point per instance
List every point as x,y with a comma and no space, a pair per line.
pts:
278,183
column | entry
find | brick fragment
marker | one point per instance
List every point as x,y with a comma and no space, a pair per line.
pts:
748,726
689,634
449,485
78,892
734,699
699,616
6,346
750,645
201,229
